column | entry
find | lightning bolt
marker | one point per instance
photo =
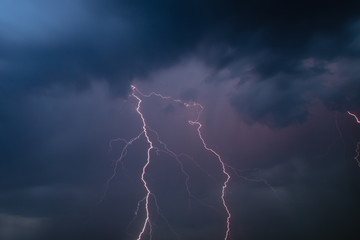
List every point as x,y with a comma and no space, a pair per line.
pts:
352,114
357,150
196,122
224,172
144,126
147,224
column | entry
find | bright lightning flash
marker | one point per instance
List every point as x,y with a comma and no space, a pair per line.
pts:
196,122
224,171
162,147
144,126
356,118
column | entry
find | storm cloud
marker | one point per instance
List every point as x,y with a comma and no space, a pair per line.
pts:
74,42
275,79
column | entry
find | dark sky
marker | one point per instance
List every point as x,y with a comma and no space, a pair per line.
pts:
275,78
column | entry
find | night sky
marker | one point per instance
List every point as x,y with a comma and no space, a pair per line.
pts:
276,79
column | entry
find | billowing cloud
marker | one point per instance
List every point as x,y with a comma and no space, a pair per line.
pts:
75,42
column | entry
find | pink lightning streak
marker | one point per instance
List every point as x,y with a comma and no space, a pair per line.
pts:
357,150
196,122
224,171
356,118
147,219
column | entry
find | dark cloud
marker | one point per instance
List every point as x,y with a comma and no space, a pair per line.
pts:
68,40
74,42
